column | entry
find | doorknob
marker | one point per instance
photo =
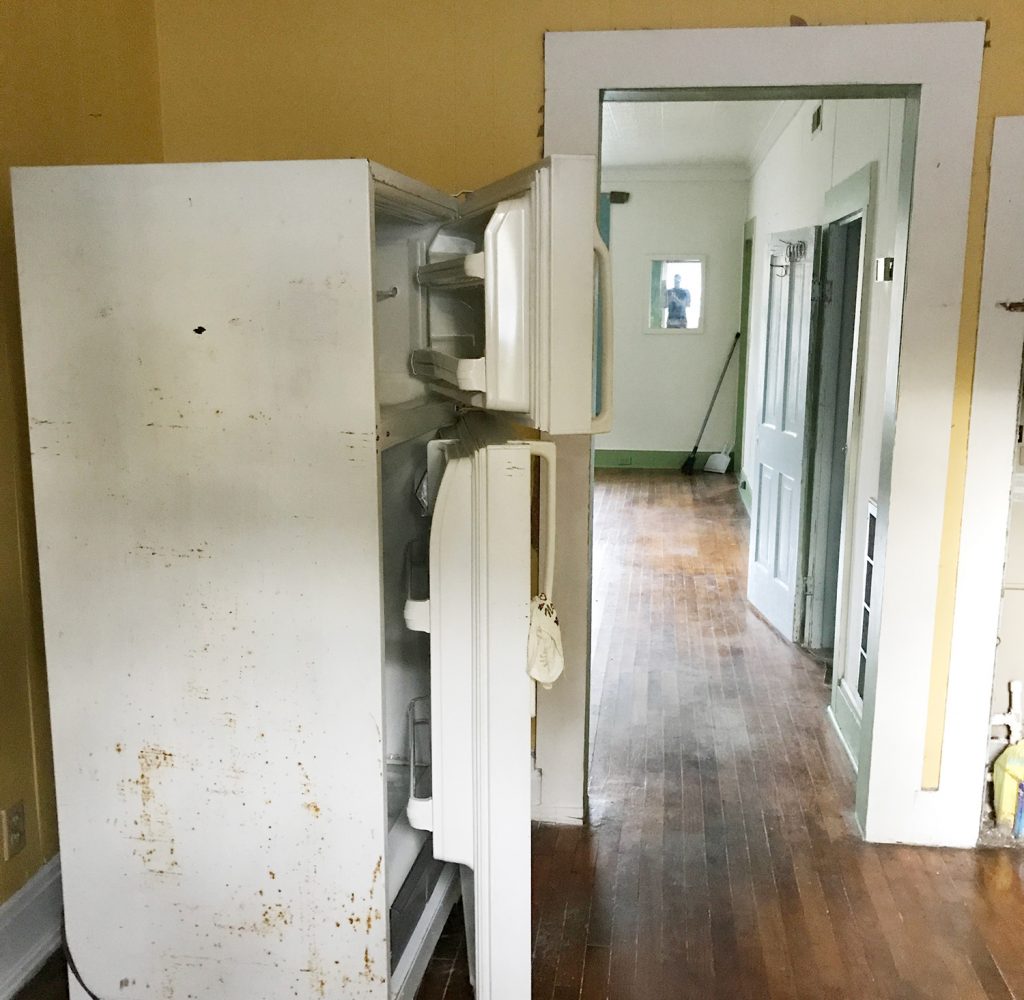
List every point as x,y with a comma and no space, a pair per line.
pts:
1013,307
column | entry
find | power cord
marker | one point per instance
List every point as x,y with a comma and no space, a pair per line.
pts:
69,958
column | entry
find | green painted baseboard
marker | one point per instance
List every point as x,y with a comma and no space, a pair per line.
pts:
618,458
745,493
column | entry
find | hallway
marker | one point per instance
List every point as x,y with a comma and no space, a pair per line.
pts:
722,859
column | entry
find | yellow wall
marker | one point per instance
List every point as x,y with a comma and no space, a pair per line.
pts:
450,92
78,84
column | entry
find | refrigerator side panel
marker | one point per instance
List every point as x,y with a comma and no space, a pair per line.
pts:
200,381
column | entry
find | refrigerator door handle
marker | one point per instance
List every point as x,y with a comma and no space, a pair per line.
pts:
545,451
602,422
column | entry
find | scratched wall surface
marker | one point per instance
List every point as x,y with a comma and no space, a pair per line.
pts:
78,83
200,386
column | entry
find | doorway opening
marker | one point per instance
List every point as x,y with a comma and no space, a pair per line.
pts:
766,207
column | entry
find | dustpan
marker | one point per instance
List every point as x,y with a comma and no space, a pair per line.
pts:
718,461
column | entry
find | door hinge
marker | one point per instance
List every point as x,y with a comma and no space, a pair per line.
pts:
821,291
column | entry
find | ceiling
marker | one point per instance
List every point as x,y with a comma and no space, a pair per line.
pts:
691,133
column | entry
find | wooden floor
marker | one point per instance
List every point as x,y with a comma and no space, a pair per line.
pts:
721,859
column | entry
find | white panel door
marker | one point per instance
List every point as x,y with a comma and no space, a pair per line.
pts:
480,703
777,470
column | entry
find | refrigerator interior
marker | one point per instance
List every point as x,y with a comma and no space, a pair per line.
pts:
410,869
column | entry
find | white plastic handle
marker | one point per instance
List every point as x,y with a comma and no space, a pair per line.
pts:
545,451
602,422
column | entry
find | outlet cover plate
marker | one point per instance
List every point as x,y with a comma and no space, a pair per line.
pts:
12,830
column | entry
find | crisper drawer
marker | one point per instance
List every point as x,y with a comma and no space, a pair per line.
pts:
510,300
412,899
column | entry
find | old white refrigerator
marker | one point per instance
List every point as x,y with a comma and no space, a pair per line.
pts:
285,542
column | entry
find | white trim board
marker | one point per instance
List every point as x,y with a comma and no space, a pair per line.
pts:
29,928
564,815
610,176
990,479
941,64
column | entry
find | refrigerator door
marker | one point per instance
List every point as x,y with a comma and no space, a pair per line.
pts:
480,701
522,257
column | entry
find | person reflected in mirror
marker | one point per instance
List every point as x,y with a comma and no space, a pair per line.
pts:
677,301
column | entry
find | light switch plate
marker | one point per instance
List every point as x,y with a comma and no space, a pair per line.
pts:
12,830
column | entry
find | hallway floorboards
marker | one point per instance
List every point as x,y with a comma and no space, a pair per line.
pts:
722,860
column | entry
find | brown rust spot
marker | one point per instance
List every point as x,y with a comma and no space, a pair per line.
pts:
376,875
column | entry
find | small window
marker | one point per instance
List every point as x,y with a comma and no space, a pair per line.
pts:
676,297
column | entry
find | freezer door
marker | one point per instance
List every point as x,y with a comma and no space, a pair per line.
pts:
480,701
521,258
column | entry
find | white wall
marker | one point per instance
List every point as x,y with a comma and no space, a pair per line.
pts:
664,381
788,191
1009,664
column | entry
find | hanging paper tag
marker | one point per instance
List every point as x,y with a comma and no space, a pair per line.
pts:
544,659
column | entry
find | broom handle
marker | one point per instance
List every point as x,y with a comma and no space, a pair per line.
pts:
721,379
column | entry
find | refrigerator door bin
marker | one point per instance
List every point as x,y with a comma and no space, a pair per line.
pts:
420,809
417,601
496,361
468,375
453,272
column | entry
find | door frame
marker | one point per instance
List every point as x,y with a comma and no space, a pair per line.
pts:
990,452
851,199
818,629
939,68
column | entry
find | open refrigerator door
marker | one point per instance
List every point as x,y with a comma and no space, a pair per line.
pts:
481,696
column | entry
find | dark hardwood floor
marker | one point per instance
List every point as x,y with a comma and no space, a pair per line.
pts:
721,860
50,983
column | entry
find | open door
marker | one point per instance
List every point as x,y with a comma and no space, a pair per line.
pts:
480,704
773,586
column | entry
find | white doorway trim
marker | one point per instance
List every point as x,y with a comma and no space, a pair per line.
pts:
990,447
944,62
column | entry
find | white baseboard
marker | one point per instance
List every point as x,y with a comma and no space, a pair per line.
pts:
29,928
843,741
566,815
846,716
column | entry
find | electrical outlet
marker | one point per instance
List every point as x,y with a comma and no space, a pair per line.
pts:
12,830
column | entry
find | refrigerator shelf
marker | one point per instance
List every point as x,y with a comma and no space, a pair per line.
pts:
454,272
401,422
467,374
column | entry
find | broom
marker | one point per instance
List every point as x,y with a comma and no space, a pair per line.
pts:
688,466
